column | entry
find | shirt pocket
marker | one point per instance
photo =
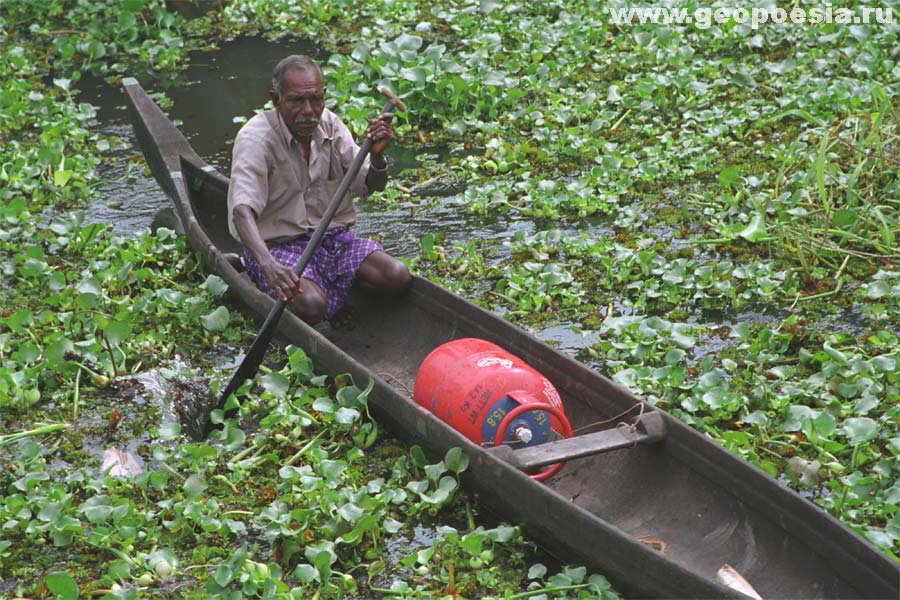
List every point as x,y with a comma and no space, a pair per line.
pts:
322,193
282,178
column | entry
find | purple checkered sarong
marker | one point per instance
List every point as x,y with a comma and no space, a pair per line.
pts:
333,265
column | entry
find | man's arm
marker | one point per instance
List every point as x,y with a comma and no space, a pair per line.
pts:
283,280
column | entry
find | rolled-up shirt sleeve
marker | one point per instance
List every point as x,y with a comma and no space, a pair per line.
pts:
249,177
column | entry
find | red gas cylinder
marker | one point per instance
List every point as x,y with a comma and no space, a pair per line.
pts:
491,396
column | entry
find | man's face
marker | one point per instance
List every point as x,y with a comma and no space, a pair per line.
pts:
302,100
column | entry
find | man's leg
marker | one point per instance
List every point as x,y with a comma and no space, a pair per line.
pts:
382,272
312,304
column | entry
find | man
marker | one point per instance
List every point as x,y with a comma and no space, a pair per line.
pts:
286,166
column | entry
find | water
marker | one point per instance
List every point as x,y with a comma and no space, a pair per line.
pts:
127,200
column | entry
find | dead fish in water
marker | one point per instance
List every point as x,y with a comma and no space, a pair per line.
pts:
728,576
121,463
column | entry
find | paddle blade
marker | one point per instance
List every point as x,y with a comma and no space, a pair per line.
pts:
254,357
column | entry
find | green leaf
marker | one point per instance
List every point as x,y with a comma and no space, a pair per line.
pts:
306,573
27,353
116,331
194,486
408,42
323,405
613,95
62,176
275,384
456,460
62,585
299,361
119,569
501,534
96,509
346,416
744,79
217,320
350,512
18,320
89,286
350,395
796,415
331,469
51,512
834,354
419,487
133,6
537,571
223,575
33,268
877,289
860,430
433,472
860,32
391,525
418,456
169,431
55,353
756,229
215,285
729,176
682,340
87,301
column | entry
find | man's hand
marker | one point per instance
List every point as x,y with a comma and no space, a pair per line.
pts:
283,280
381,133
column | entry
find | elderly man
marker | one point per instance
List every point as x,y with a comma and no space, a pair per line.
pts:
287,164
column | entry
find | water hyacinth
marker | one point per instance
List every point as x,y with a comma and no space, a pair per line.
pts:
711,213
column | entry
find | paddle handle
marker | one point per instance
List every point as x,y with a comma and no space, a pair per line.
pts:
346,182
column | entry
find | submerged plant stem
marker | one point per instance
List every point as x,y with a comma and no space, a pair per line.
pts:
9,438
75,396
304,449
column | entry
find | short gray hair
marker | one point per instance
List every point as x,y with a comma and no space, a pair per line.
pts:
294,61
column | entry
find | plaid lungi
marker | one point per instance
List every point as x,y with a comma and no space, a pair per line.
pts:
333,265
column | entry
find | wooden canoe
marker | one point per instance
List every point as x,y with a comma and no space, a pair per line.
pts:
660,518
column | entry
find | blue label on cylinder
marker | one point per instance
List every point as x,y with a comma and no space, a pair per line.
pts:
538,421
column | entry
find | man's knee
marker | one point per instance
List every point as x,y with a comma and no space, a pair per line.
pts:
312,304
384,273
397,277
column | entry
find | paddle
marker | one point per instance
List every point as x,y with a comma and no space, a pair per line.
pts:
252,360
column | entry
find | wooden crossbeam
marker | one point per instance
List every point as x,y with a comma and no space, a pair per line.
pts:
651,428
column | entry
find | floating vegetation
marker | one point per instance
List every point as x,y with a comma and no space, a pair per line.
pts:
714,212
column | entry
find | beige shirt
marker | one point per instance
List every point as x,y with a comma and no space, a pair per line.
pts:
270,175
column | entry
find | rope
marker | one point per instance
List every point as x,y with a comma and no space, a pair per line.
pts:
631,427
398,382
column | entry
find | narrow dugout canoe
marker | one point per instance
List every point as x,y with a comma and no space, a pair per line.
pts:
660,518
